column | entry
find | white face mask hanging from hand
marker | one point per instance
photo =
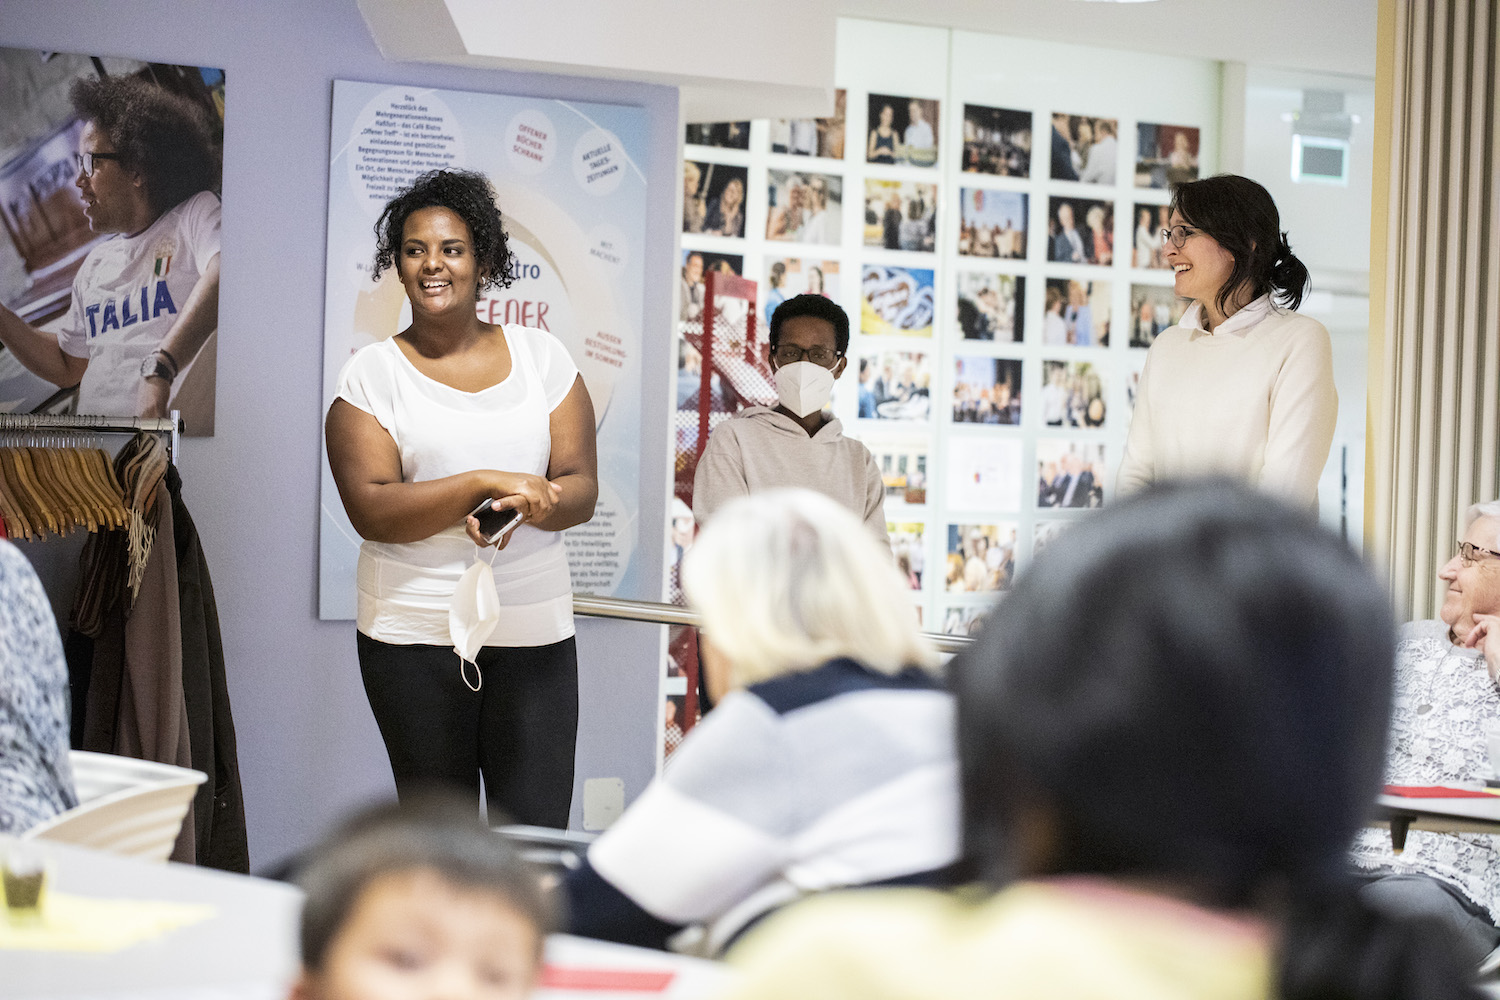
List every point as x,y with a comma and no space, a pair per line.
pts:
804,387
473,615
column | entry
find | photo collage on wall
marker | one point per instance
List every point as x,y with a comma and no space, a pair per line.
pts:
986,255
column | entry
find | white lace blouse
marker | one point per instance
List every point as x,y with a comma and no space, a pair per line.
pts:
1443,698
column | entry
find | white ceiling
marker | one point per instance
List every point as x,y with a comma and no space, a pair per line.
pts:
1328,36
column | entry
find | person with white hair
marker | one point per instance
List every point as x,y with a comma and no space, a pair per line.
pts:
828,761
1446,695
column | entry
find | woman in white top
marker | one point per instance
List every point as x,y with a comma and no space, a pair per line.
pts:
1242,385
427,426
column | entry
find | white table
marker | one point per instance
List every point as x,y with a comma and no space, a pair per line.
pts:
248,949
1462,815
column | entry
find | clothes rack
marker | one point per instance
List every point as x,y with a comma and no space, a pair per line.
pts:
169,425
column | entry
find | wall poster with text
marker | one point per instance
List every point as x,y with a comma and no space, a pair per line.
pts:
571,189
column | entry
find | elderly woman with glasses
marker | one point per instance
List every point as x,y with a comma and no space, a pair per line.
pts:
1243,384
795,443
829,760
1446,701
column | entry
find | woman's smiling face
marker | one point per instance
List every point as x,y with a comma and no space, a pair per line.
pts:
437,263
1200,266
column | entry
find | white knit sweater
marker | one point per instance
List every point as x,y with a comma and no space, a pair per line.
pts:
1254,399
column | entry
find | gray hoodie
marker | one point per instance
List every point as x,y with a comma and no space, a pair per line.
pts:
761,449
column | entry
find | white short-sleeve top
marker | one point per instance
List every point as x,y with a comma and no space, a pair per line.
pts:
404,590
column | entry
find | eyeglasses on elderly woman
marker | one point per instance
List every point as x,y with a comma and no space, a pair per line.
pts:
1469,553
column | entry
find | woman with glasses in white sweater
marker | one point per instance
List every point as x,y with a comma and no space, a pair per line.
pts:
1243,384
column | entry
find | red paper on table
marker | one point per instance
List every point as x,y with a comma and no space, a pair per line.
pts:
1435,792
567,977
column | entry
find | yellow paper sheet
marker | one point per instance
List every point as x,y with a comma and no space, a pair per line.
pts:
78,923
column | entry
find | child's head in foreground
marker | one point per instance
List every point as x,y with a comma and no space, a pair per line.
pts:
419,901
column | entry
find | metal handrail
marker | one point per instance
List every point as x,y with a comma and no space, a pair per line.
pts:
656,613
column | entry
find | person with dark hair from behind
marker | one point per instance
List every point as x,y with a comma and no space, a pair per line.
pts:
795,443
36,778
1446,703
145,301
1168,734
1243,384
415,902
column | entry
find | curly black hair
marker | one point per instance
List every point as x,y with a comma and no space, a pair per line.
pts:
163,135
468,195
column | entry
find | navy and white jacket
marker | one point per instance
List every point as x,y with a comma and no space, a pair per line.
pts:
825,779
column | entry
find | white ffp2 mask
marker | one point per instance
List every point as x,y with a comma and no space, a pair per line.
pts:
473,616
804,387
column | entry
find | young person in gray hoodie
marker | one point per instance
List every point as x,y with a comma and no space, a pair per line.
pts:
796,443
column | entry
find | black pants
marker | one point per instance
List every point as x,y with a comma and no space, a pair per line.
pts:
519,729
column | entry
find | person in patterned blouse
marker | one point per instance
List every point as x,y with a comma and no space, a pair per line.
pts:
1446,695
36,782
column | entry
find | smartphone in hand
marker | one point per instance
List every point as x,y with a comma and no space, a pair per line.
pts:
495,524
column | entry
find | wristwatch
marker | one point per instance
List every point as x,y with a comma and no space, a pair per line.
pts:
159,365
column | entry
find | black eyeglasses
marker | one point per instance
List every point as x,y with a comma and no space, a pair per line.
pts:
1470,554
790,354
86,161
1178,235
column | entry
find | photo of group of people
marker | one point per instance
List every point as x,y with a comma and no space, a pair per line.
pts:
1149,250
908,551
719,135
1069,474
1084,149
790,277
804,207
822,137
1165,155
991,307
1080,231
713,199
992,223
1072,394
895,385
1076,313
902,130
900,215
981,557
903,467
696,264
896,300
1153,308
986,390
997,141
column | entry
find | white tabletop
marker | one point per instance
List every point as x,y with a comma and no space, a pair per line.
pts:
1461,815
248,949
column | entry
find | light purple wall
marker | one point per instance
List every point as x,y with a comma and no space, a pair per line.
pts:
308,746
